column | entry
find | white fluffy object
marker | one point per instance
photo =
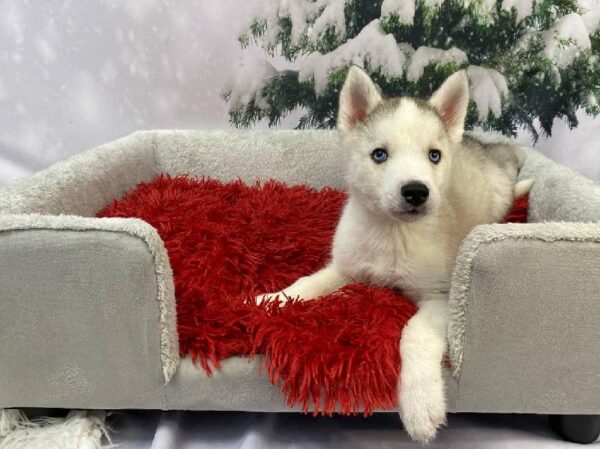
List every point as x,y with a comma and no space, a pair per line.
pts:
488,87
9,420
78,430
425,56
403,9
565,40
522,7
251,77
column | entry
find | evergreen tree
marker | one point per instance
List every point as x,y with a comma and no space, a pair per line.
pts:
525,59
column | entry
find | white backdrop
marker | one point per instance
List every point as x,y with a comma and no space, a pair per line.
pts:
77,73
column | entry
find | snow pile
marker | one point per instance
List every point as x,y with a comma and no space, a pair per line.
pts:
425,56
590,14
248,83
300,13
487,88
591,101
371,46
331,17
403,9
565,40
522,7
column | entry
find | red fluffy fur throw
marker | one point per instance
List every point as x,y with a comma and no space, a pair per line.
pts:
230,242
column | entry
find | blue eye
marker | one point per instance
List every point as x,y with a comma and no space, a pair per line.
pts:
379,155
435,156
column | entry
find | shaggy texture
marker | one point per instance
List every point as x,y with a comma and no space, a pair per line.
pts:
229,242
78,430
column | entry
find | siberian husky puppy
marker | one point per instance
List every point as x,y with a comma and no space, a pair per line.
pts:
417,185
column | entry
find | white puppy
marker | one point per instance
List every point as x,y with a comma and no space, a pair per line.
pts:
417,186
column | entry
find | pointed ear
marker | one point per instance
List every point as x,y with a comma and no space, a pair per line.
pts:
451,101
358,98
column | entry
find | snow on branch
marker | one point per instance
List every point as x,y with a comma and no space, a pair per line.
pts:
248,84
522,7
590,14
425,56
332,17
371,46
487,88
306,17
379,51
565,40
403,9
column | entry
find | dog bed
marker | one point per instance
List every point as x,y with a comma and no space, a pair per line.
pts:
88,311
228,242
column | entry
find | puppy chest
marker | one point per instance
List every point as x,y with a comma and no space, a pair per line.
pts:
394,263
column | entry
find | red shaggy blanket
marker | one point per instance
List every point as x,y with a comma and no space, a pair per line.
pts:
229,242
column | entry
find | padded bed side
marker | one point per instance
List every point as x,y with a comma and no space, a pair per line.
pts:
295,157
87,313
524,310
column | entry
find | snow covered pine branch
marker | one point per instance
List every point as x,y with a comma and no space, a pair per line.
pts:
528,61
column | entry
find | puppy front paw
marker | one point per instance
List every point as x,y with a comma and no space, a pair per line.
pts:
423,407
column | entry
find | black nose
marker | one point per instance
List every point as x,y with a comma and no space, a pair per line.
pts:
415,193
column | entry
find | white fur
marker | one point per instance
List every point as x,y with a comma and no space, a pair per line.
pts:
78,430
522,187
421,390
9,421
379,241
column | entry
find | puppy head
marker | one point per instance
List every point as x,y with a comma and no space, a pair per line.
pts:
400,149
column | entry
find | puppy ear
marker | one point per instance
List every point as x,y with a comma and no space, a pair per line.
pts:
358,98
451,101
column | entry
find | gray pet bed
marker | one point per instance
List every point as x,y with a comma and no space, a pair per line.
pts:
87,309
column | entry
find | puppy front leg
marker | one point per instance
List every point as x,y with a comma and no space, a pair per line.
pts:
321,283
421,388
